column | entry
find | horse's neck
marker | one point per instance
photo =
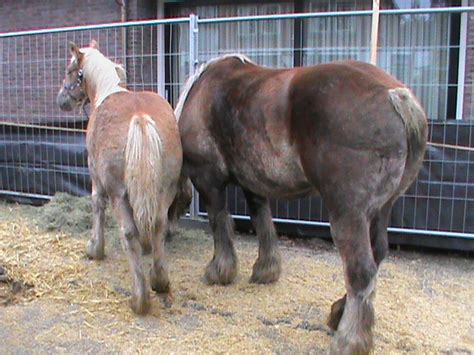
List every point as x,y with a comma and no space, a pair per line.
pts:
99,88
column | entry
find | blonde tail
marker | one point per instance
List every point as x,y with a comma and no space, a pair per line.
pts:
143,171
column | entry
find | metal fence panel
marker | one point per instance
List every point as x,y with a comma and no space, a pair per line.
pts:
43,148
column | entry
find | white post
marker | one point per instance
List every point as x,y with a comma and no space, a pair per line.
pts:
375,31
193,43
462,64
160,50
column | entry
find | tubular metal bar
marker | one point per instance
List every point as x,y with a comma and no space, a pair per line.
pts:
390,229
96,27
462,64
26,194
338,13
193,61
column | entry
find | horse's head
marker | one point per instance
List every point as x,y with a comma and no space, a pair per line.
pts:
73,92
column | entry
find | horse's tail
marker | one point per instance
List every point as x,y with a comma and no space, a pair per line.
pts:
414,119
143,171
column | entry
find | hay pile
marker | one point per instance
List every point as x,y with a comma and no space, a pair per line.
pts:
42,253
68,214
51,265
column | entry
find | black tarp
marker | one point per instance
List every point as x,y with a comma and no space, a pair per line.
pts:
45,161
42,161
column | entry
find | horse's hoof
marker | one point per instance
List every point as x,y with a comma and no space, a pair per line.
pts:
168,299
140,305
337,309
169,236
93,252
159,284
146,246
267,270
221,271
344,345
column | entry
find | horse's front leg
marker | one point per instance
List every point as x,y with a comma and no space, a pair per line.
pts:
222,269
95,245
267,268
179,206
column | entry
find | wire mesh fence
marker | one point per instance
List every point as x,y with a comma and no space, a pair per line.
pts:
43,148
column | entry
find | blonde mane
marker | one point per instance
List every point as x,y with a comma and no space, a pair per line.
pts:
102,73
193,78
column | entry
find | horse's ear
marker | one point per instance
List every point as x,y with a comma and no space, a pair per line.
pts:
94,44
122,74
75,51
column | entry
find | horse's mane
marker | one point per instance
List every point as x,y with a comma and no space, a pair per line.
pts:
193,78
104,73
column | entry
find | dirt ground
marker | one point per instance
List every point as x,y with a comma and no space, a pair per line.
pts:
55,300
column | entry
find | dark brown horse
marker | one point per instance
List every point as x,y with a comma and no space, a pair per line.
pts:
135,158
345,130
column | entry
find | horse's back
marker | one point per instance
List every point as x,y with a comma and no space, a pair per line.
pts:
108,132
111,120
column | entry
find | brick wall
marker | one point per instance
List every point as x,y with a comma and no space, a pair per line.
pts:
32,67
18,15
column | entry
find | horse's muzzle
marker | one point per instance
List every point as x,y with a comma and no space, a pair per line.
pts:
64,101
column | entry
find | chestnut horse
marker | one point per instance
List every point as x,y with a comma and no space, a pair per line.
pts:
134,157
345,130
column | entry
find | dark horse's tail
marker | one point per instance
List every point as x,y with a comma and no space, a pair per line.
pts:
143,172
416,125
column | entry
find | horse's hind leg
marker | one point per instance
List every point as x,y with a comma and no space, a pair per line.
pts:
354,332
95,245
378,233
379,244
159,278
140,302
267,268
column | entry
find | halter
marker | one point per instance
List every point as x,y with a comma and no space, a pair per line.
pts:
73,86
78,83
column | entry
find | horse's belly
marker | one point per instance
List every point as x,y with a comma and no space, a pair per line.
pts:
273,176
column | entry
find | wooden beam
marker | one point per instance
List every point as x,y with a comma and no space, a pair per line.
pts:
375,31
